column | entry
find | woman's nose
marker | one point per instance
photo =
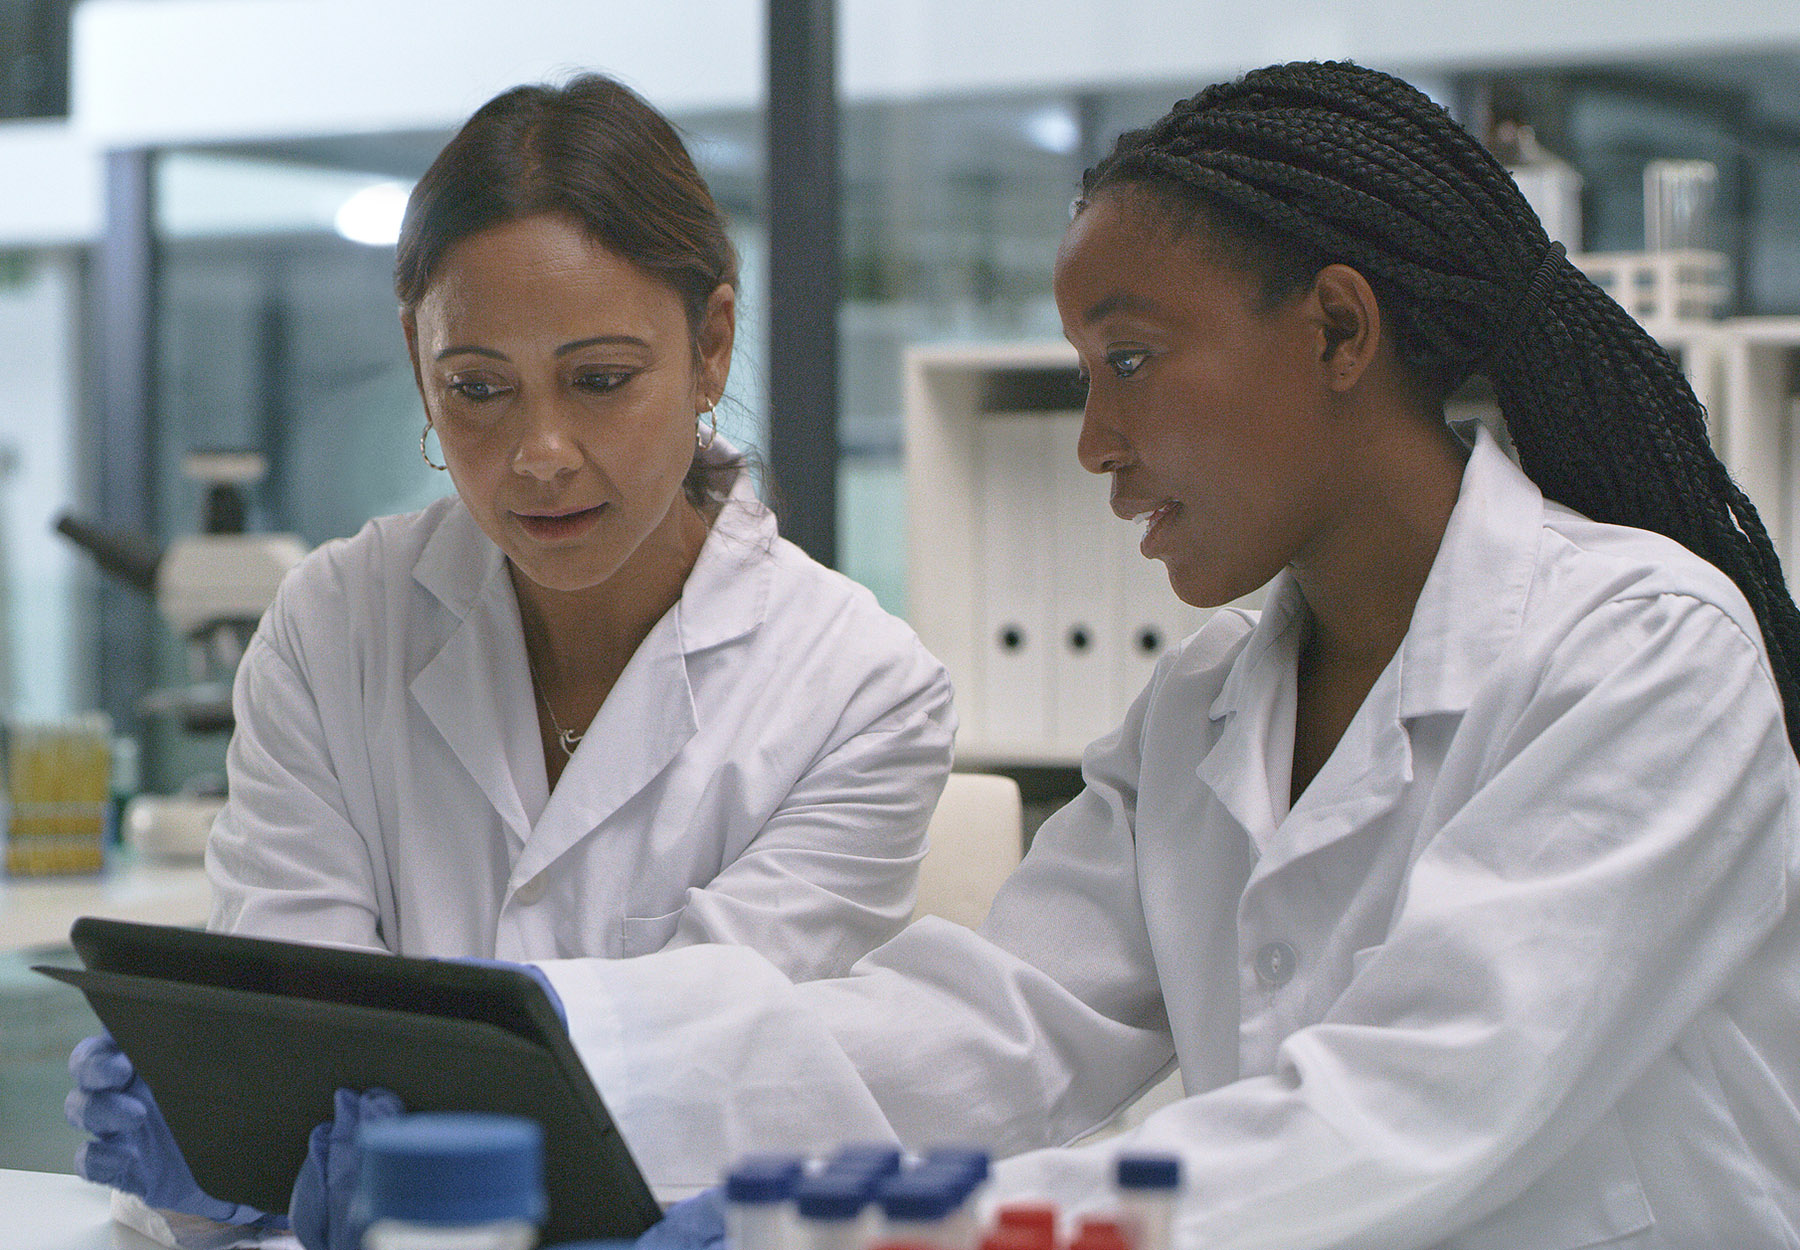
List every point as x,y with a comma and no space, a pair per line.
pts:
1101,449
547,445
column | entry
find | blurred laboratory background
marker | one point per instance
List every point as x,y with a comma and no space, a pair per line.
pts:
198,336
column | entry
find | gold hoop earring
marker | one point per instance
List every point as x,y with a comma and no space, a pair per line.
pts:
425,455
705,434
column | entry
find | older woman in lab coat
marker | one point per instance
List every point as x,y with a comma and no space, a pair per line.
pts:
1460,884
592,705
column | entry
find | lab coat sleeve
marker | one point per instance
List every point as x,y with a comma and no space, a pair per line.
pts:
1045,1023
284,856
941,1034
704,1054
831,874
1627,852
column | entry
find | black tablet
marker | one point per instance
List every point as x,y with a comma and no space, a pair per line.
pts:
244,1040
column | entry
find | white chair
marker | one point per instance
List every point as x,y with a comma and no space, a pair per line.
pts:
975,838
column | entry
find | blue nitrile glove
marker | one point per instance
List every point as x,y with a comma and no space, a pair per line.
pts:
131,1147
320,1207
696,1223
531,970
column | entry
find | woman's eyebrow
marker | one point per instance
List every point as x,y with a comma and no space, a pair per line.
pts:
1123,301
613,340
469,351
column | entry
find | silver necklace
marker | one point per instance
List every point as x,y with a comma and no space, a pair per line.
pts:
567,739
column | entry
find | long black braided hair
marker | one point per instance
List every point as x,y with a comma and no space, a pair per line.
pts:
1294,167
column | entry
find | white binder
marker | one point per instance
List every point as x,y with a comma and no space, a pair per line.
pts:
1085,603
1012,708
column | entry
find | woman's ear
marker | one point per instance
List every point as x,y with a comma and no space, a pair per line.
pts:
717,332
1349,324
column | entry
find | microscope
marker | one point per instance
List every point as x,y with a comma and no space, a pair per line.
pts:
211,588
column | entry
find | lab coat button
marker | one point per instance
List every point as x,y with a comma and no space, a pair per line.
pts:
1275,964
531,891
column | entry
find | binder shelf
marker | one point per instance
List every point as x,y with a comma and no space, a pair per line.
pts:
1020,578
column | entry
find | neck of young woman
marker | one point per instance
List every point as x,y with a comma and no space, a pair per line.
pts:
1362,576
1364,570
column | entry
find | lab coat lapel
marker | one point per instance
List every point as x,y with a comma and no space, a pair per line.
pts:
652,712
1249,703
647,719
1365,777
476,690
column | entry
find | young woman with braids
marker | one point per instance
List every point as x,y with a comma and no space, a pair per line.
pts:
1457,883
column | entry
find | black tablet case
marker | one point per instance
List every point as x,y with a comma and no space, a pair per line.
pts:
243,1041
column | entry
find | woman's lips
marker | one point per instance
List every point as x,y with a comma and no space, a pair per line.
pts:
548,527
1154,521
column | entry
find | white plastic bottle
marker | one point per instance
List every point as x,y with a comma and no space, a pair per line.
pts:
450,1181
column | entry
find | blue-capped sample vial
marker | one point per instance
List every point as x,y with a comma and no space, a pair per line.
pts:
963,1173
872,1159
450,1181
919,1207
832,1210
757,1190
1148,1185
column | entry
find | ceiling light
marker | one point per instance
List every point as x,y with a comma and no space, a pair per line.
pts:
373,214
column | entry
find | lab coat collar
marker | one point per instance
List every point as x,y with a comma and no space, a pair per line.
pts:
727,592
494,738
647,718
1473,602
1283,610
1469,609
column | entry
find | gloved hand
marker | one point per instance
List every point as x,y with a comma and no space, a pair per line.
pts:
320,1207
531,970
131,1147
696,1223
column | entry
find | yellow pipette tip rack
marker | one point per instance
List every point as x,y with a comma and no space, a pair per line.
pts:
58,783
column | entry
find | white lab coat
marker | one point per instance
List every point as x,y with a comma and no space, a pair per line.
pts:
1520,969
761,773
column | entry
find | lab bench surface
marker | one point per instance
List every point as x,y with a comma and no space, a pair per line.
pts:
37,911
48,1211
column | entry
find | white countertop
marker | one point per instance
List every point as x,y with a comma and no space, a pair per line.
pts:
37,911
57,1211
52,1211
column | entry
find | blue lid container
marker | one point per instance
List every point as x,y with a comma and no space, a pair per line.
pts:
829,1195
1149,1171
919,1195
451,1168
971,1159
761,1179
874,1159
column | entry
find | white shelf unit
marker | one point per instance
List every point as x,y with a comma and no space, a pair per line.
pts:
1007,532
1746,371
1753,367
1019,576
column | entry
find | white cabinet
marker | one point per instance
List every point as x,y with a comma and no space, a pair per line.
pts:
1019,576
